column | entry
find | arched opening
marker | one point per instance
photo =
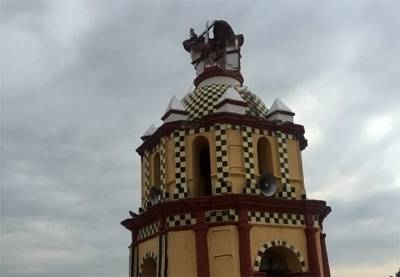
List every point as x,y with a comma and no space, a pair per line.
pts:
201,167
264,154
149,268
279,261
156,170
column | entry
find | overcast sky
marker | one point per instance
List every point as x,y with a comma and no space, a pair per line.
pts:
80,83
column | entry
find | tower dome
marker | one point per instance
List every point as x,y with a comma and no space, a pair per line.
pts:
203,101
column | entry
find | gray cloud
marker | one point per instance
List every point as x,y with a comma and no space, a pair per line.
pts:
83,81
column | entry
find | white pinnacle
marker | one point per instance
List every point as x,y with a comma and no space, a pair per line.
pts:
150,131
278,105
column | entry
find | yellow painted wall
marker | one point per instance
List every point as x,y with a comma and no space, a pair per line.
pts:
295,166
293,154
181,254
236,160
293,235
223,249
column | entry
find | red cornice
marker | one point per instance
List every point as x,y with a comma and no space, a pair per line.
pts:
227,201
224,117
216,71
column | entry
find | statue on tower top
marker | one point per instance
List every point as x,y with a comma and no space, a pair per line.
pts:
221,53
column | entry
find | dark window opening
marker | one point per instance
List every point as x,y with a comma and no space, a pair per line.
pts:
264,154
156,171
149,268
279,261
205,169
201,167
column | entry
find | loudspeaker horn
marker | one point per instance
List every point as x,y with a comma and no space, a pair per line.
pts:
155,195
268,185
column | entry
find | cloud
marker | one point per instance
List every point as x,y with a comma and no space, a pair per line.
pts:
82,81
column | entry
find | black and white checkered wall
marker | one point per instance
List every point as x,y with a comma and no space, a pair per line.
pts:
276,218
160,148
146,163
275,243
221,215
148,230
249,167
163,168
181,220
223,184
288,191
181,189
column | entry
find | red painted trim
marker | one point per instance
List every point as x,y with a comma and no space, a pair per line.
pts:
228,201
325,262
242,203
216,71
244,244
302,274
201,231
312,253
242,120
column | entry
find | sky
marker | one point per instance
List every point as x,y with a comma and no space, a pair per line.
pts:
82,80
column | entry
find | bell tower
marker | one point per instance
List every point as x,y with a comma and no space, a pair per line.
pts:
222,181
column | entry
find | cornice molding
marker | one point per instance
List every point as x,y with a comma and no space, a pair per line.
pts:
224,117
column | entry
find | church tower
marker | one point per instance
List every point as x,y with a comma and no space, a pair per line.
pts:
222,180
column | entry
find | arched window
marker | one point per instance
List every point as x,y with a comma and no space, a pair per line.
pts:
156,171
264,155
149,268
201,167
279,261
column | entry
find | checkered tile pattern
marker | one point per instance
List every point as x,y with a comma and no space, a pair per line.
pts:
303,195
146,256
316,221
200,130
256,106
275,218
221,142
146,162
287,191
148,230
181,190
221,216
203,100
248,153
281,243
181,220
162,168
147,180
